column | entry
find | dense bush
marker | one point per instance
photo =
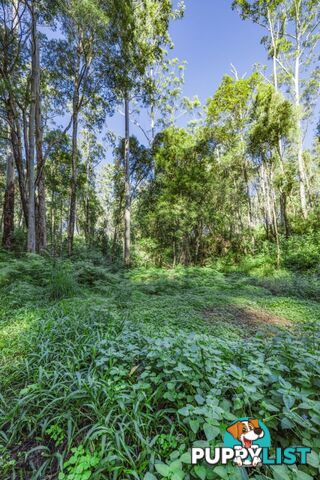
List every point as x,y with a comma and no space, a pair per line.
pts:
302,253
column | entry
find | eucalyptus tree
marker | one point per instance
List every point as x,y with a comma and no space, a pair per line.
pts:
228,123
8,39
73,63
270,15
35,82
164,100
138,32
93,154
297,63
14,34
293,34
21,88
273,119
58,171
163,97
37,228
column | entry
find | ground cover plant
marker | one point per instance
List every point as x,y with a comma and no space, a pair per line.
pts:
118,379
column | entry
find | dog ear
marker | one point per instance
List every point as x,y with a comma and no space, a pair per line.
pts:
234,430
254,422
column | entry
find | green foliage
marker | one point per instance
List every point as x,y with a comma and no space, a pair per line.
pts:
7,463
274,121
133,378
171,208
56,434
80,465
92,275
302,253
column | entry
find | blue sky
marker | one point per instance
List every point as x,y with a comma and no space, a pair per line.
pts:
210,37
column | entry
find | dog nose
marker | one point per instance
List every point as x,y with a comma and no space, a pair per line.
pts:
258,431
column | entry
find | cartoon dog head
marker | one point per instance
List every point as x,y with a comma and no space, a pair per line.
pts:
246,431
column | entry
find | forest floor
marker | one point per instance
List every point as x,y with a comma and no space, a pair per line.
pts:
122,372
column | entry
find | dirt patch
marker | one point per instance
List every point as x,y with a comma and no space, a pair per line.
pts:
30,455
246,318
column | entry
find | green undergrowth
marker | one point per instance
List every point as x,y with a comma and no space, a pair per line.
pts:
115,375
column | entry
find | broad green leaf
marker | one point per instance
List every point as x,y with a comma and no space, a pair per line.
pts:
199,399
179,475
149,476
300,475
163,469
281,472
175,466
194,425
286,424
313,459
221,471
210,431
200,471
184,411
186,458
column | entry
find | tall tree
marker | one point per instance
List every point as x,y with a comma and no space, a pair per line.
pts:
273,120
41,226
138,32
294,27
14,33
77,78
31,246
228,121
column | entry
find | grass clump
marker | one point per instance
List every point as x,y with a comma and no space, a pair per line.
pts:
62,280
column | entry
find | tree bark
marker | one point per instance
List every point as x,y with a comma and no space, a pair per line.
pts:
41,215
266,201
301,168
8,207
16,142
127,210
41,204
283,196
74,168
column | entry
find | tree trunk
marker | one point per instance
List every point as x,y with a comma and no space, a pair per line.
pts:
274,218
301,168
127,211
41,215
31,247
266,201
8,207
41,206
16,142
283,196
74,169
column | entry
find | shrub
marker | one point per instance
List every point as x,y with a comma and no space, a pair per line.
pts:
90,275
